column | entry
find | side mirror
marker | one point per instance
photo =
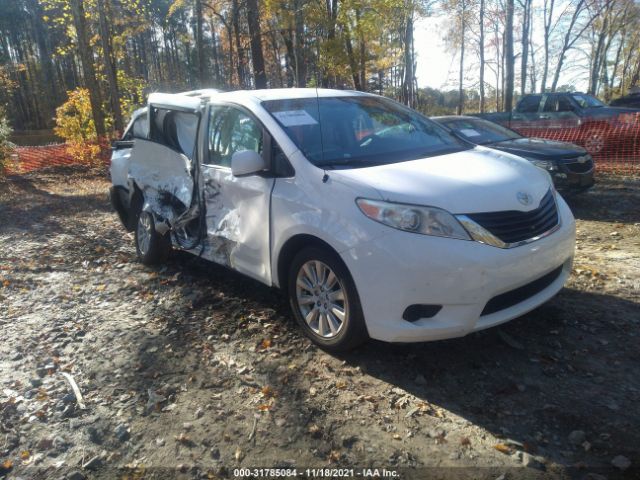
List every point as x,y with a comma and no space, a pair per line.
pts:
247,162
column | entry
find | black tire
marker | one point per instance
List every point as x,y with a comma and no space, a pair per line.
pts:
154,249
352,331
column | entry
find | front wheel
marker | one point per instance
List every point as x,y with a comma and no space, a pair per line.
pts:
595,139
324,300
151,247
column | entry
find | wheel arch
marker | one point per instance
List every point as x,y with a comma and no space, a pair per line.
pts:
290,249
136,201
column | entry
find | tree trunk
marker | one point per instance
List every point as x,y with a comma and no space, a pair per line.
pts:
599,57
110,65
533,70
200,44
88,70
362,54
239,49
509,58
44,52
332,18
481,48
257,56
408,94
352,60
299,46
463,25
526,25
569,41
548,17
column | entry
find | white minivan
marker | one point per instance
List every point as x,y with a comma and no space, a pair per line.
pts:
374,220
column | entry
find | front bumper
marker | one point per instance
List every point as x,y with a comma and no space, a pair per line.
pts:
402,269
565,177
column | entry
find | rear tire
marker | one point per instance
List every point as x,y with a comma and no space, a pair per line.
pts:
151,247
324,300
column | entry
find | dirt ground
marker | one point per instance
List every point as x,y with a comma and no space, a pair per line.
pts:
191,371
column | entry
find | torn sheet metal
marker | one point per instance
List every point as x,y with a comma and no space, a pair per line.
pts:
164,176
237,221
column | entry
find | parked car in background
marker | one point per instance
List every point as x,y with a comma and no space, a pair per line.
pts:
573,117
569,165
376,221
632,100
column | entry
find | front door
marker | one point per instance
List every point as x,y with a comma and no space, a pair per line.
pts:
163,165
237,208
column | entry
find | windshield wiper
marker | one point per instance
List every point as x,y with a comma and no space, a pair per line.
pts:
354,162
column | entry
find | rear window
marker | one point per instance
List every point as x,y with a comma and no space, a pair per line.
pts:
360,131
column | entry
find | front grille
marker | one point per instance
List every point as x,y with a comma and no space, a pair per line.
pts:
513,297
577,167
513,226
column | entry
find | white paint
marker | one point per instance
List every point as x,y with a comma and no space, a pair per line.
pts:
237,221
249,220
161,174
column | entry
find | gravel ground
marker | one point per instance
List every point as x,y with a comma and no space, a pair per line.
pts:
190,370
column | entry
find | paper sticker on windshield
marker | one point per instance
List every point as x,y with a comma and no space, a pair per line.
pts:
469,132
295,118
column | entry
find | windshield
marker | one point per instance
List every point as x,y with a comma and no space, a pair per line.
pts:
480,132
360,131
587,101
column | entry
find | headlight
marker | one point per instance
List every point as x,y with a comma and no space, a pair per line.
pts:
544,164
413,218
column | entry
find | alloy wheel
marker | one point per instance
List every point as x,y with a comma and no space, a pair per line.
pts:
144,232
321,299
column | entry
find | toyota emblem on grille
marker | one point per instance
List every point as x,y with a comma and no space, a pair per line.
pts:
524,198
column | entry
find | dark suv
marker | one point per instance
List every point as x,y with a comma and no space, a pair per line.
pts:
571,117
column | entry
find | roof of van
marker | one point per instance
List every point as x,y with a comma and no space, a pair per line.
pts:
192,99
285,93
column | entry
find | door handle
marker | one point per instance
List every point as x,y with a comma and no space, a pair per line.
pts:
544,117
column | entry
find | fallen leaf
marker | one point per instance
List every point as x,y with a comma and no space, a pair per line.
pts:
183,439
502,448
334,456
266,343
238,455
24,455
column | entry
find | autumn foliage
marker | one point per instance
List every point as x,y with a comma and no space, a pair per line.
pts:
74,123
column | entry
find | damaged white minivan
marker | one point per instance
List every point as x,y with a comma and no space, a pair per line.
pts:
376,221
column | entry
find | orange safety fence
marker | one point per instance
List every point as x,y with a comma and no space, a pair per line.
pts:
613,144
615,148
27,159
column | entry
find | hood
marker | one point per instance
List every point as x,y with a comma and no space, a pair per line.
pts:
472,181
539,148
629,102
608,111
